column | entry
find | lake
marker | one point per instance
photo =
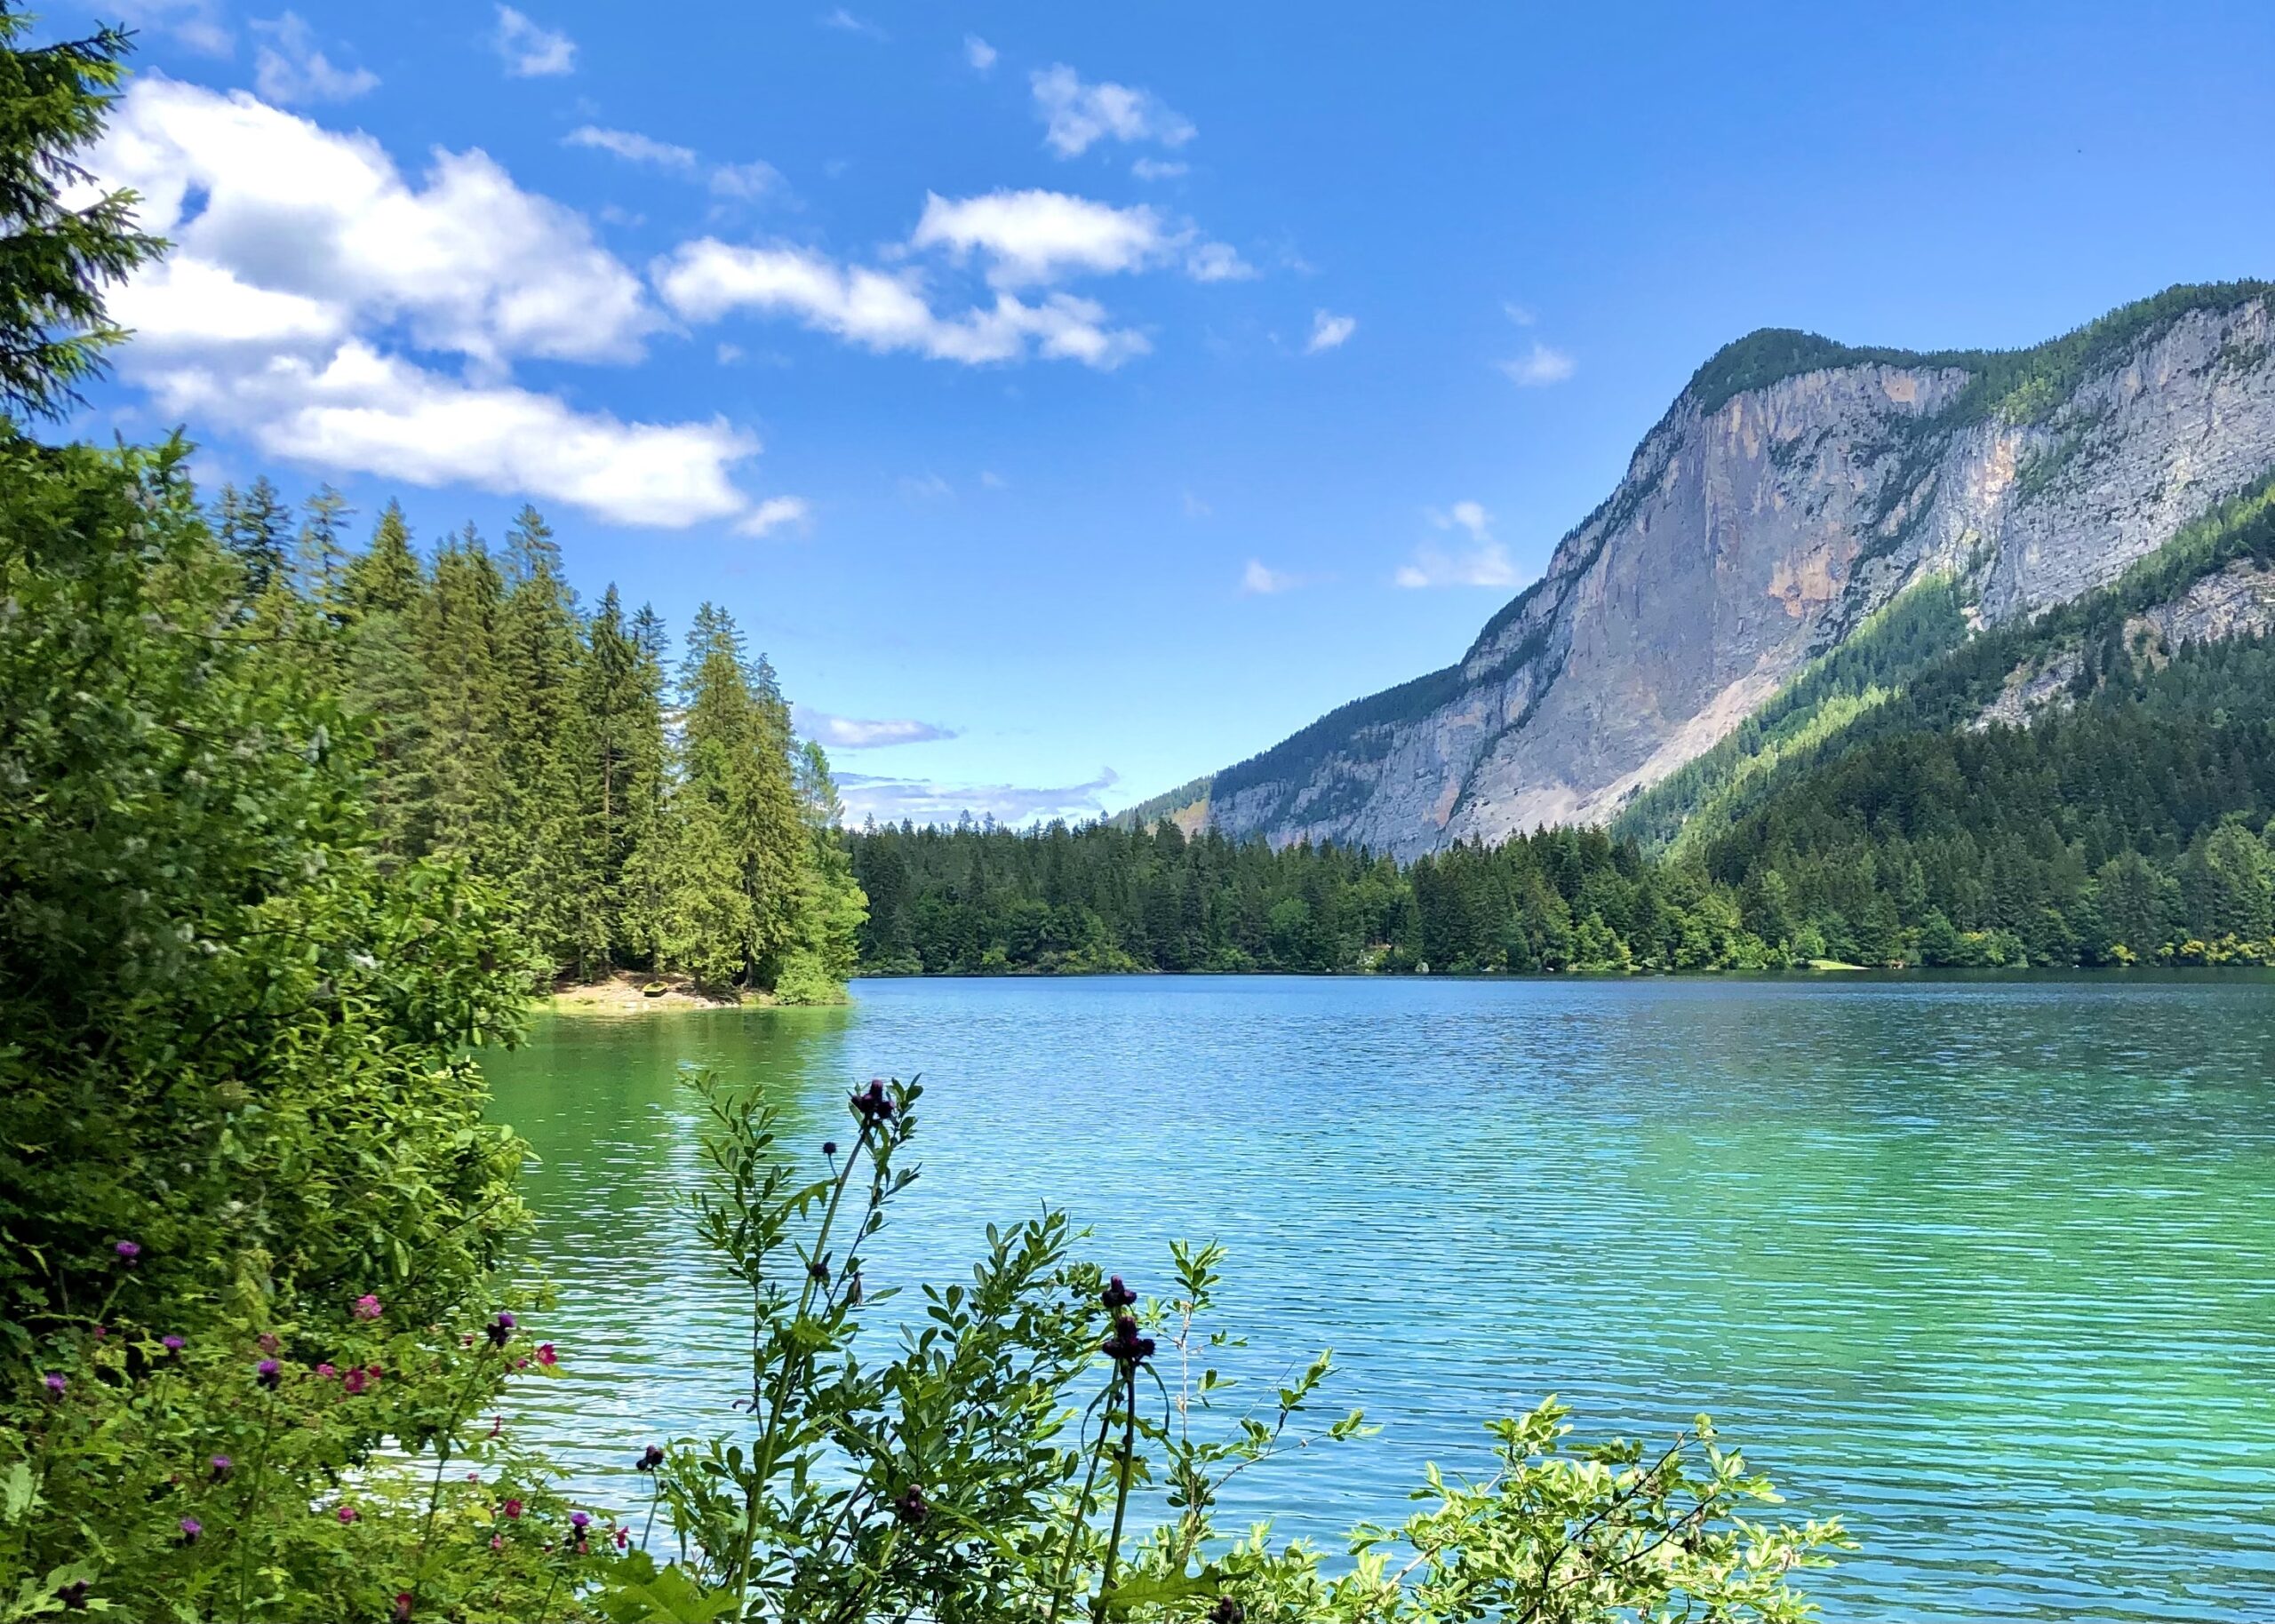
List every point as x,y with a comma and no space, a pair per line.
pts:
1981,1265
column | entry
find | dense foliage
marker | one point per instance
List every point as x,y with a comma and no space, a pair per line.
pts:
529,742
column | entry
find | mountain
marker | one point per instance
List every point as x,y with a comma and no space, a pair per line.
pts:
1808,527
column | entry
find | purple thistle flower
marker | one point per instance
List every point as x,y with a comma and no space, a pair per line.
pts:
651,1457
1116,1295
128,1250
501,1328
173,1344
580,1520
269,1373
190,1529
222,1466
56,1384
829,1147
346,1514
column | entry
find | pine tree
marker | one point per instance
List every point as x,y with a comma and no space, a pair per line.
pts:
385,681
253,526
464,758
833,908
621,697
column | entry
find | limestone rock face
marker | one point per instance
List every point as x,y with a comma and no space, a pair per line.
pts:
1751,533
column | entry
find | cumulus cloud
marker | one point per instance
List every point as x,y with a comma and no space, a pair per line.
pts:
1480,561
1037,237
884,311
1542,365
194,24
302,253
773,513
1076,113
978,52
927,802
631,146
1328,330
862,733
529,51
755,178
846,22
1258,580
288,67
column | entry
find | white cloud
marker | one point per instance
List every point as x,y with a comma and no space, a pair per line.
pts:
1542,366
706,280
1075,114
861,733
468,262
1158,169
1521,314
290,68
989,479
631,146
1481,562
1195,508
530,52
1259,581
755,178
195,24
1038,237
926,801
773,513
978,52
1218,262
302,253
926,488
1328,330
846,22
376,414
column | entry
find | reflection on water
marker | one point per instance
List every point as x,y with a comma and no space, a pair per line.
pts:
1978,1264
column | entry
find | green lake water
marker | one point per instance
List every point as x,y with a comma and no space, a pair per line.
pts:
1981,1265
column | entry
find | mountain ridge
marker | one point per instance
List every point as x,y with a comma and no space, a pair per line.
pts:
1795,488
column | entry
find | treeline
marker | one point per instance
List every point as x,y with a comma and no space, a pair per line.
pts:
635,814
2133,827
979,898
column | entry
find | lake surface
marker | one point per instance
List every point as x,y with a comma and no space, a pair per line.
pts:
1981,1266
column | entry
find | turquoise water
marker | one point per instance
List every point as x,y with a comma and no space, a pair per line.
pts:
1980,1265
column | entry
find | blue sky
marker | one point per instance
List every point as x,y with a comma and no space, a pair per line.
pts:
1071,400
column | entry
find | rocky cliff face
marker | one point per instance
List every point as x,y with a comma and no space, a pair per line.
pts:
1759,522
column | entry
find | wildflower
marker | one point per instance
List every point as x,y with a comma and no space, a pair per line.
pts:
546,1355
74,1595
173,1344
403,1604
367,1307
101,1332
829,1147
128,1250
222,1466
623,1537
580,1520
268,1342
1125,1346
910,1507
511,1507
819,1271
354,1382
190,1529
346,1514
327,1370
651,1457
874,1105
1117,1296
56,1384
500,1329
269,1373
497,1541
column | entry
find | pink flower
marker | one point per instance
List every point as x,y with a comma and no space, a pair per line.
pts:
546,1355
511,1507
326,1370
497,1541
623,1538
268,1342
367,1307
346,1514
355,1382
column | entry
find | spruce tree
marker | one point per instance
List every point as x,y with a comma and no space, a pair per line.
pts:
464,758
385,681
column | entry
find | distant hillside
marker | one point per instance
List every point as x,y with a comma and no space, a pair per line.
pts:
1806,530
1186,806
